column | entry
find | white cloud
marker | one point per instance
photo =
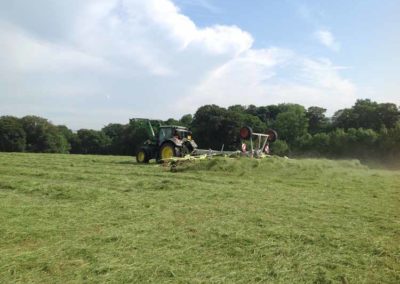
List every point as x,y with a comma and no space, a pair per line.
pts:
271,76
24,53
216,39
325,37
114,60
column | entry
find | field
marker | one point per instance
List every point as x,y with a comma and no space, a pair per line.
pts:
72,219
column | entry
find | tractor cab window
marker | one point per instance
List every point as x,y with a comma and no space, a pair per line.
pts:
165,133
184,134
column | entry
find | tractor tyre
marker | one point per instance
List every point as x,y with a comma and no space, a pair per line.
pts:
142,156
167,151
272,135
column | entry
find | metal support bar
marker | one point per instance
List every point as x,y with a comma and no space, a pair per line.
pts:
260,134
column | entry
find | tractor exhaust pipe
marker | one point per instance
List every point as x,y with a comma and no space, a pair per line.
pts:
151,130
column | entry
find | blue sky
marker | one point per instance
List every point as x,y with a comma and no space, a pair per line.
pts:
368,32
88,63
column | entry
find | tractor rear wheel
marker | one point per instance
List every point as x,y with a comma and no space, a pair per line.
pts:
167,151
142,156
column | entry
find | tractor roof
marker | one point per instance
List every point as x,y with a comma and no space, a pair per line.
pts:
174,126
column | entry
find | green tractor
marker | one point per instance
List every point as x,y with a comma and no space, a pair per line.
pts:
170,141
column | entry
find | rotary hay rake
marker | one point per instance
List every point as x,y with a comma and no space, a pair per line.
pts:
253,145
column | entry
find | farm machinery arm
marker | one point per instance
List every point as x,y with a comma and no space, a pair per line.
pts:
149,127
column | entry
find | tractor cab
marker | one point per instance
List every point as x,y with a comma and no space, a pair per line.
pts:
170,141
173,133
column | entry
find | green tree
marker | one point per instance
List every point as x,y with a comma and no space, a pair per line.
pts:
368,115
42,136
186,120
171,121
241,109
273,111
317,121
92,142
365,113
54,141
214,126
291,123
361,143
115,132
388,114
12,135
69,135
343,118
338,143
320,143
134,135
279,148
207,124
389,144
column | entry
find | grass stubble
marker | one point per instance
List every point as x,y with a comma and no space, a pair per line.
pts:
73,219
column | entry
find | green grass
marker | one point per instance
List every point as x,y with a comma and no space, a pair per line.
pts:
73,219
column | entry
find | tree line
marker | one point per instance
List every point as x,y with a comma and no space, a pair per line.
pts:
367,130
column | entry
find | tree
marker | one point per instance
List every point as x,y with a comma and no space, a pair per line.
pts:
133,136
365,113
12,135
368,115
42,136
69,135
92,142
320,143
389,143
186,120
240,109
66,132
317,121
214,126
171,121
361,143
388,115
34,128
279,148
115,132
273,111
337,143
291,123
264,114
343,119
207,124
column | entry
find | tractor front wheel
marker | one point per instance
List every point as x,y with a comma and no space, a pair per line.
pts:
186,149
142,156
167,151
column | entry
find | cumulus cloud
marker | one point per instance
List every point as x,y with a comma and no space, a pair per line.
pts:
93,62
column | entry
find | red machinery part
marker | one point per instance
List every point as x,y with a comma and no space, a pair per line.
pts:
245,132
272,135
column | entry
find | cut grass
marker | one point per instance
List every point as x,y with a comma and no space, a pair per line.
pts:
70,218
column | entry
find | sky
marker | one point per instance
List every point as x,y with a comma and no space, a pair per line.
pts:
88,63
